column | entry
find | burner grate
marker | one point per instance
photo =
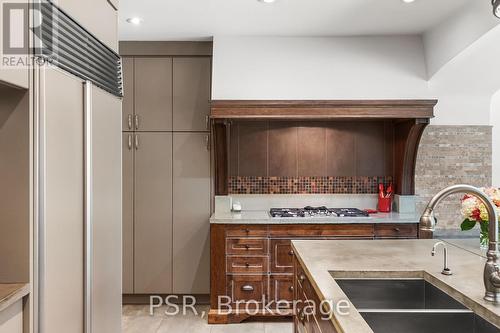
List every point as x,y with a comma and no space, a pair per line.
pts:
321,211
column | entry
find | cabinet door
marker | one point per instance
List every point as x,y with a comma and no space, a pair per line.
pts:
281,289
128,213
128,94
191,183
191,94
106,141
153,213
281,256
153,94
11,318
62,197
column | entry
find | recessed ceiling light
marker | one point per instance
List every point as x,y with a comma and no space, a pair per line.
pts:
408,1
267,1
134,20
496,7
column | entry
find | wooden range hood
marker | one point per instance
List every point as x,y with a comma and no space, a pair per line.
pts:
314,110
410,117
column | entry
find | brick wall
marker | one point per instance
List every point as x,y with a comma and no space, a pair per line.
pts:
451,155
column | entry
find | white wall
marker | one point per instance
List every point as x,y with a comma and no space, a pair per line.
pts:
453,35
467,83
495,121
319,68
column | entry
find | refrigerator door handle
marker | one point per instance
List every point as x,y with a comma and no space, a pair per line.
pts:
88,236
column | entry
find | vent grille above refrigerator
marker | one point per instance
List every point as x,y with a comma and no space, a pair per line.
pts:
69,46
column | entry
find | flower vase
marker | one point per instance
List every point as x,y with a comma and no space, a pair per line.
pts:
483,240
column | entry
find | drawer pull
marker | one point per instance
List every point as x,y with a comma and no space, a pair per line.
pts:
247,264
247,247
247,231
248,288
397,229
290,288
291,253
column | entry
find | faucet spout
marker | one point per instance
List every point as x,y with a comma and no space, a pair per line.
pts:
446,270
491,269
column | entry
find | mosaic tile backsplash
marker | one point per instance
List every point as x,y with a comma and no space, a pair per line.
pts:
306,185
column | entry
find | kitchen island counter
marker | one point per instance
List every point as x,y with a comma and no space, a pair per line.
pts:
325,260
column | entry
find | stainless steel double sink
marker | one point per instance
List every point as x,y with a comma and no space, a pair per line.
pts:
410,306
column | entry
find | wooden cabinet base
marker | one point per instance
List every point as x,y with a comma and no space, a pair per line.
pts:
250,263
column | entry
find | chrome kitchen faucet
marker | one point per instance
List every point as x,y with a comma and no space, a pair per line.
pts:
491,274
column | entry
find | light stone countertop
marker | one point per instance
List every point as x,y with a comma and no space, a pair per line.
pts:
468,244
323,259
11,293
263,217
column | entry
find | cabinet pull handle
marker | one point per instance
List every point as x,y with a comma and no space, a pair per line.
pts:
207,122
129,141
136,142
136,120
302,277
290,288
247,264
247,288
129,121
397,229
291,253
207,142
247,247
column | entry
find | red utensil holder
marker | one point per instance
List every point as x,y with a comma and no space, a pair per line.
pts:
385,205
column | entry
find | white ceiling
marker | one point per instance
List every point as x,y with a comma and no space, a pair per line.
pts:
202,19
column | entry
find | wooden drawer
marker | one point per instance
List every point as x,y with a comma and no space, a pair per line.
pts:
396,230
281,256
245,265
246,231
323,230
247,246
281,288
247,287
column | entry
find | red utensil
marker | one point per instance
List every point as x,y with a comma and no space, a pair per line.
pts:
389,191
381,190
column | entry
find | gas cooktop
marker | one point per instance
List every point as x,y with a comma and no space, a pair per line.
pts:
317,212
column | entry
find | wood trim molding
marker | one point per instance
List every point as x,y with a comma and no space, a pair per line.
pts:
220,134
326,109
153,48
407,139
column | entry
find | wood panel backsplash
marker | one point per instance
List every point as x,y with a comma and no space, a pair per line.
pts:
305,149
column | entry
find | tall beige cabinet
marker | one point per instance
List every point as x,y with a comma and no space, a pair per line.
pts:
166,163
